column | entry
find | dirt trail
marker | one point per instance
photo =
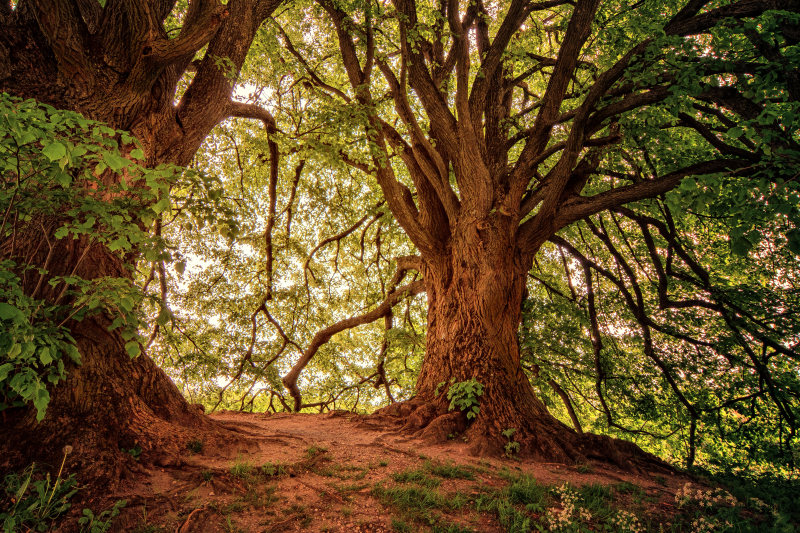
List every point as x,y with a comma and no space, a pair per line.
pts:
336,472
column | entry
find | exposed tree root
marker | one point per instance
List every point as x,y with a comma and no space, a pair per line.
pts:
112,415
541,437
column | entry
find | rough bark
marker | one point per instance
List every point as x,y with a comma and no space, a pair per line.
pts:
475,294
118,65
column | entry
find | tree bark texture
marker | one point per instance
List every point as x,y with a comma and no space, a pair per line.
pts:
118,65
475,294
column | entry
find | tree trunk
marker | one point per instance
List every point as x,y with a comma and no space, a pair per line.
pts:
475,293
59,54
108,404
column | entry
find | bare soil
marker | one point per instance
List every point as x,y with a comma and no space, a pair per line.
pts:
319,472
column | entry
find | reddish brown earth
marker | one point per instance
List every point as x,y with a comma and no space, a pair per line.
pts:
317,472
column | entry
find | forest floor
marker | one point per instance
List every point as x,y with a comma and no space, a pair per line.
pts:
345,472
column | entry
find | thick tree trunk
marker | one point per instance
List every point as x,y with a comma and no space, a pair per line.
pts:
110,403
475,294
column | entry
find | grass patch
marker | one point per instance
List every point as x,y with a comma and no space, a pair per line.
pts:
195,446
418,503
451,528
299,514
31,500
315,450
409,498
401,526
241,469
418,477
502,502
597,499
343,471
271,469
449,470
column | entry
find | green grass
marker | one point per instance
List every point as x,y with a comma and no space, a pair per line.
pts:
597,498
271,469
401,526
410,498
315,450
419,477
241,469
195,446
502,503
32,500
450,528
449,470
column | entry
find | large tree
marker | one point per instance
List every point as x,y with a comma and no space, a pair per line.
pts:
513,120
164,72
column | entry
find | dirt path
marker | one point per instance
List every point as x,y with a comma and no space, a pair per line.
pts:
344,472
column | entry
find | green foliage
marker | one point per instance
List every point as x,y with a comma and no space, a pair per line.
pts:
33,350
52,188
449,470
513,503
195,446
31,502
314,450
241,469
135,451
100,523
418,477
511,447
270,469
463,395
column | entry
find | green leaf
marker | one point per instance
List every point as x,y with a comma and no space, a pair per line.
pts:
161,205
133,349
40,400
5,369
793,236
54,151
114,161
45,356
163,317
741,245
9,312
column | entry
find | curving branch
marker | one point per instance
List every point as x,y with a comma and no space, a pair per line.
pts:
324,335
